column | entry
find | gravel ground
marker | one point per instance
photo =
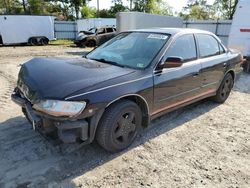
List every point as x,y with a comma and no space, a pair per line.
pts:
201,145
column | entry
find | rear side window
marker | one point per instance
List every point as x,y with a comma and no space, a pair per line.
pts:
208,45
109,30
183,47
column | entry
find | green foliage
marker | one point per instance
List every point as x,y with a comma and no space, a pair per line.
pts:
111,13
225,8
88,12
36,7
198,10
10,7
73,9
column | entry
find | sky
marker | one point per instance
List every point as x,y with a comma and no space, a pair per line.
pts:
176,4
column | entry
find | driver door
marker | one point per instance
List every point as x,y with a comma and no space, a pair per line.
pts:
101,38
175,86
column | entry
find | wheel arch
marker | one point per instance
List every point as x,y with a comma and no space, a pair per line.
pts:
1,39
232,73
141,102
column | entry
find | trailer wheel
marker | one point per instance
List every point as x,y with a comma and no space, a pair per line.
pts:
33,41
44,41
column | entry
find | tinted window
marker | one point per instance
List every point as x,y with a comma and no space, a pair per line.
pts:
208,45
109,30
183,47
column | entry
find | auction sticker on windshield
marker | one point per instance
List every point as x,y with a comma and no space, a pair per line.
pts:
157,36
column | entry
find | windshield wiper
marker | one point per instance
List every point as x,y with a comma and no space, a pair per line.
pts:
108,62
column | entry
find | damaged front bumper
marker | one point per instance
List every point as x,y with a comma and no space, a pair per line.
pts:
67,130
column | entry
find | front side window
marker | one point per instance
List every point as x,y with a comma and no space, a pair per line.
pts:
101,31
208,45
130,49
184,47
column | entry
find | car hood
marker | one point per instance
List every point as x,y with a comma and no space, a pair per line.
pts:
46,78
84,34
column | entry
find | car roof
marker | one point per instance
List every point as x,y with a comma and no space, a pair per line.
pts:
171,31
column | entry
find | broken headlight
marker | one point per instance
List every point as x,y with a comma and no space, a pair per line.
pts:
60,108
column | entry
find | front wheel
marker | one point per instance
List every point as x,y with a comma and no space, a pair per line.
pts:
91,43
224,89
119,126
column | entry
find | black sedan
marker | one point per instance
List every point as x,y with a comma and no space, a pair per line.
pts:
114,92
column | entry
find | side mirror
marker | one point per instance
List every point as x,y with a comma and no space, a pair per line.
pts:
172,62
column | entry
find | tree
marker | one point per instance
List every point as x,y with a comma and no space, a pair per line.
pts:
10,6
88,12
197,9
225,8
36,7
75,5
149,6
117,7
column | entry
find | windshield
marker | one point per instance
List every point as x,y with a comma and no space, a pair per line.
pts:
133,49
92,30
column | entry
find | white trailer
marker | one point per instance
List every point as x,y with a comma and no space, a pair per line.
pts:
239,37
86,24
138,20
16,29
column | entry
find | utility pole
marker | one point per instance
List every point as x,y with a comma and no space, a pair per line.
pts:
98,9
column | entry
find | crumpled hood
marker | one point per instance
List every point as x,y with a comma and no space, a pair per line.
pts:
84,34
43,78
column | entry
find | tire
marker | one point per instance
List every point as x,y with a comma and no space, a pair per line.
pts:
224,89
119,126
44,41
91,43
33,41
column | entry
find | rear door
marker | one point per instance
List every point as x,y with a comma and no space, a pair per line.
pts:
174,86
110,33
213,58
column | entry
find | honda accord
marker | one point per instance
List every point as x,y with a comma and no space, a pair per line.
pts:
114,91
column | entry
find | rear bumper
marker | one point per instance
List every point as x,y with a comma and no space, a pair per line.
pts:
67,131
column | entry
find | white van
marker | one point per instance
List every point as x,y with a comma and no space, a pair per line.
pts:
16,29
239,37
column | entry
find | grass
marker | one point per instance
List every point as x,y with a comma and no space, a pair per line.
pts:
61,42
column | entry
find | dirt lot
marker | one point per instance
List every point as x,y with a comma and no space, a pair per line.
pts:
202,145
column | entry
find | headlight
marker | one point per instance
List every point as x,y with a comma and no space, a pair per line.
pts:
60,108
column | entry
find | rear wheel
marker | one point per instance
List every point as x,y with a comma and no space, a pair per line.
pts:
119,126
44,41
224,89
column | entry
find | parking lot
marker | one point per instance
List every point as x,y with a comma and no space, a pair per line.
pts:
204,144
